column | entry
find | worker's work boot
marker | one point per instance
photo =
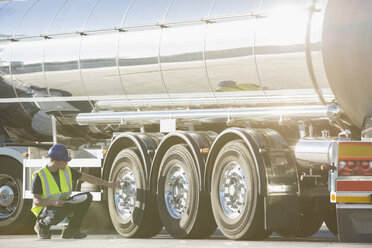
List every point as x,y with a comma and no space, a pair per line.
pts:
71,233
42,231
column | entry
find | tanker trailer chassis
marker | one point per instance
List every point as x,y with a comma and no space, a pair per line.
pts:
233,115
248,182
244,179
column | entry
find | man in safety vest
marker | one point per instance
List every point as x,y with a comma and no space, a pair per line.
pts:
52,186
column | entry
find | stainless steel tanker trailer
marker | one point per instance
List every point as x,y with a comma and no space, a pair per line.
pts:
252,116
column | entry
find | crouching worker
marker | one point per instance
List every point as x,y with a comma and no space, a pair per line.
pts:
52,187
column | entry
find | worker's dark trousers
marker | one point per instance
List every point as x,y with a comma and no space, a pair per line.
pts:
74,212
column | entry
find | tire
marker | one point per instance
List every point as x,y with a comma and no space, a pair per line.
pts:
139,218
240,213
330,217
311,218
16,216
179,181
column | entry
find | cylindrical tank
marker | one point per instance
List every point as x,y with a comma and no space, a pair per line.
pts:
68,56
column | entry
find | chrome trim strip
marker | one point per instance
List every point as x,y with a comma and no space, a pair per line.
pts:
254,54
159,51
204,57
309,59
353,206
156,25
23,17
79,54
117,56
353,193
234,99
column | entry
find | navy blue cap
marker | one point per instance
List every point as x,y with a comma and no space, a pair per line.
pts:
59,152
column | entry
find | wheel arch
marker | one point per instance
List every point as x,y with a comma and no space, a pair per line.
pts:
278,183
248,136
145,143
15,153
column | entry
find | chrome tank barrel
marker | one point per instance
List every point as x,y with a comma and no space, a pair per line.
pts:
71,56
347,52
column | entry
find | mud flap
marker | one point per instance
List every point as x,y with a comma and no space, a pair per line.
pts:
355,224
282,213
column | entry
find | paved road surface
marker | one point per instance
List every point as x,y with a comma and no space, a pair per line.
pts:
111,240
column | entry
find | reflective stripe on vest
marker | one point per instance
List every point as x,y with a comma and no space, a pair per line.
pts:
50,188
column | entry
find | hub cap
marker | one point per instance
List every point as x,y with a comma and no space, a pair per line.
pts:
9,196
233,190
176,191
125,196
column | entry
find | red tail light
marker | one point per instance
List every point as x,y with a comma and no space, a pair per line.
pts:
365,164
350,164
345,168
355,167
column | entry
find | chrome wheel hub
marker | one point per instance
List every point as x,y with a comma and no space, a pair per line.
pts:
125,196
9,196
233,190
176,191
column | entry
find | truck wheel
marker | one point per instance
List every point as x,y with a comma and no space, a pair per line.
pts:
311,218
237,207
15,212
132,208
181,204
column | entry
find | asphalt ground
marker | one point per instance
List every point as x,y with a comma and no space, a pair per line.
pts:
110,239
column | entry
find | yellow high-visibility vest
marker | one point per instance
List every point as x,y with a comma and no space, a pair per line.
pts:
50,188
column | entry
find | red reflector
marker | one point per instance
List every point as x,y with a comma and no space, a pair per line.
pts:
350,164
342,164
367,168
354,185
365,164
355,168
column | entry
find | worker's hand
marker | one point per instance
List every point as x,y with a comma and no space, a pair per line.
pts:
113,185
58,203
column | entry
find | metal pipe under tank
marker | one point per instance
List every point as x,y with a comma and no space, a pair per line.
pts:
208,115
